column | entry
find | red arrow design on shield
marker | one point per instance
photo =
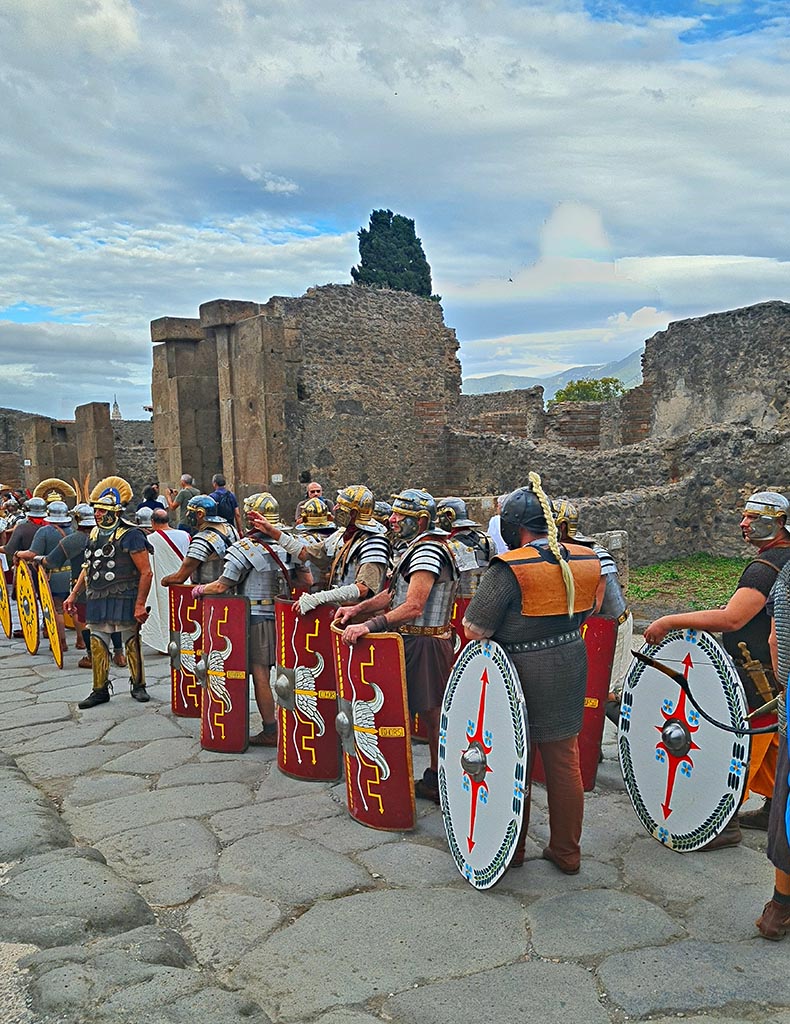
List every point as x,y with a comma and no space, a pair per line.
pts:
477,738
674,761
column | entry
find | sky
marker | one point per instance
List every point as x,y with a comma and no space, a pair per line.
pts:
580,172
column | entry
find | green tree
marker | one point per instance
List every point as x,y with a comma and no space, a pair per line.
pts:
589,389
391,255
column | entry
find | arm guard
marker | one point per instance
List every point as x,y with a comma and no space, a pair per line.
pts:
308,602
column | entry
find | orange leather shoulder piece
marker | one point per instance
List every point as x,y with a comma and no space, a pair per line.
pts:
540,581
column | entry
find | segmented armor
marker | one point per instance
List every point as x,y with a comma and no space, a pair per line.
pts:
472,549
256,569
347,557
427,554
208,547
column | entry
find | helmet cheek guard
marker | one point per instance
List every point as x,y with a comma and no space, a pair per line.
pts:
771,510
354,499
414,504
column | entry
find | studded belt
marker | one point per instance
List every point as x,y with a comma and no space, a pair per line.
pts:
621,619
265,600
441,632
542,645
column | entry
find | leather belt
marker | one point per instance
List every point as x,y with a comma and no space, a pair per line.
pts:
266,600
542,645
441,632
623,617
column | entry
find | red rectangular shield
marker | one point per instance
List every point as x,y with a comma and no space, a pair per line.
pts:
185,648
459,610
600,637
225,717
374,730
308,746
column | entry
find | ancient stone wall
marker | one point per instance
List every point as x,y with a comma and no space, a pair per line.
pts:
519,413
135,455
49,449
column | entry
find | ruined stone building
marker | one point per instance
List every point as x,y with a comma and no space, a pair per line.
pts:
347,384
355,385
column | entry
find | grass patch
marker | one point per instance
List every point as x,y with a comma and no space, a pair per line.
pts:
701,581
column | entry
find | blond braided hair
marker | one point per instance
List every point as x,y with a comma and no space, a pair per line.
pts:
554,543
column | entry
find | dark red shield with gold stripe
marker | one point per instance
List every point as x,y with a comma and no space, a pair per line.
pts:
600,639
185,648
305,690
373,722
223,671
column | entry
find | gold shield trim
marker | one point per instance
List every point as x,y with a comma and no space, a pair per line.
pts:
5,606
50,621
27,607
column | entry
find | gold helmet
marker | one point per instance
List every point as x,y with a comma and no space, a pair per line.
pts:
108,498
265,504
356,499
54,489
564,511
315,515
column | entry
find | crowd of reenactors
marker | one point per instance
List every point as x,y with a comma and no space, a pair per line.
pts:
415,566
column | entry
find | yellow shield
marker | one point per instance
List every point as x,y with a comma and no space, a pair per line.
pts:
5,606
27,606
48,610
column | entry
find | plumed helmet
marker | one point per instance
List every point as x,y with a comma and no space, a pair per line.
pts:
54,489
770,507
84,515
58,512
414,503
205,504
113,492
315,516
565,511
143,516
354,499
451,513
382,510
521,508
36,508
264,503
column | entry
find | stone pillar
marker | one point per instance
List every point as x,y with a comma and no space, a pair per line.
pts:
10,470
187,432
50,449
95,443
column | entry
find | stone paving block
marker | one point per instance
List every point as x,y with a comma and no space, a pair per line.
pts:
38,714
610,826
525,993
69,692
60,764
693,976
143,728
134,811
347,1015
728,915
195,774
53,737
408,863
232,825
66,896
91,789
153,758
384,950
275,785
16,696
292,871
597,922
30,823
222,926
651,868
170,862
538,877
344,835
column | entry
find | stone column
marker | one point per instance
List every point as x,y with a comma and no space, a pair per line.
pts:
95,443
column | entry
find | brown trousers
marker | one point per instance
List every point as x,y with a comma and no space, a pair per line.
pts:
565,795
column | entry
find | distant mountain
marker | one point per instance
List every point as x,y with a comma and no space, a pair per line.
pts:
627,370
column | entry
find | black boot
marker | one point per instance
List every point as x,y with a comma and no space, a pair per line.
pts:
100,696
139,693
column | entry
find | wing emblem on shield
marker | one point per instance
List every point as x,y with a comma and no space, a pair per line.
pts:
483,755
48,613
685,776
223,674
5,606
305,691
186,630
373,723
27,607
